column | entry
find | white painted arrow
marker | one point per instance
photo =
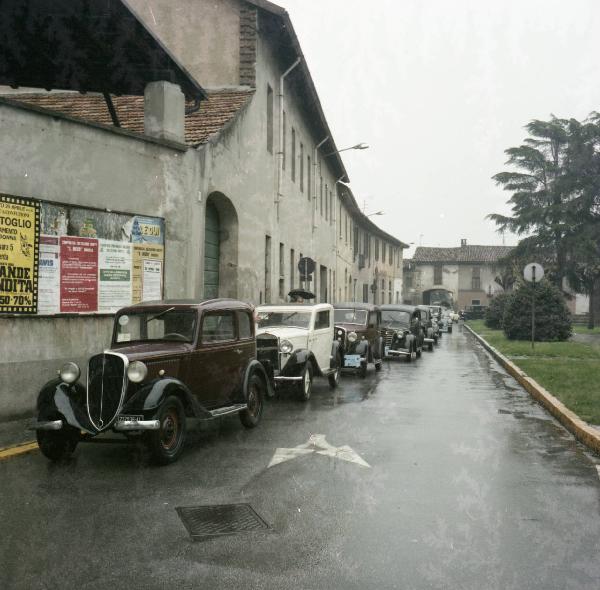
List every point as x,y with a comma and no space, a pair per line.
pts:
317,444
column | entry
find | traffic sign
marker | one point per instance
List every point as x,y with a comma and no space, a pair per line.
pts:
306,266
533,272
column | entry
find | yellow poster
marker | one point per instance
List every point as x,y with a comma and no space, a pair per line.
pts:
19,251
147,272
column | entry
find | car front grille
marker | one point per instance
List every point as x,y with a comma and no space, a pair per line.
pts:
106,380
267,350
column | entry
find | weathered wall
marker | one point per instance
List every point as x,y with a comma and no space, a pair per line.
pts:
54,159
202,34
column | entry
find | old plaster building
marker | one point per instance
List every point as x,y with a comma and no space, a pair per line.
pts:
211,134
462,276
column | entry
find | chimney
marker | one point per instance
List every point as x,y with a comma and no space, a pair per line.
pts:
164,111
463,243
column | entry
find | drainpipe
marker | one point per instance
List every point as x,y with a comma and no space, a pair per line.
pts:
281,146
315,183
335,229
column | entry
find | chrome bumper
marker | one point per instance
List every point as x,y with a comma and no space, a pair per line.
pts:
429,340
287,378
129,425
51,425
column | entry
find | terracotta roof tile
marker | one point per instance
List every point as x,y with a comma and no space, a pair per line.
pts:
479,254
214,113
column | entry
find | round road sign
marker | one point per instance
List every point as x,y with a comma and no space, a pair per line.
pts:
533,272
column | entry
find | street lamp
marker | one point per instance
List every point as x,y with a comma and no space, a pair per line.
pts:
358,146
376,213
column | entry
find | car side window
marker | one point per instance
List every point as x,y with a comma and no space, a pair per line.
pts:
218,327
244,325
323,320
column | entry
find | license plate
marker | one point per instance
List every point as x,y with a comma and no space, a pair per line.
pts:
352,360
130,418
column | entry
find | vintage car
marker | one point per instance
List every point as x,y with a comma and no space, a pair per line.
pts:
357,331
295,344
447,321
427,326
168,361
439,323
401,331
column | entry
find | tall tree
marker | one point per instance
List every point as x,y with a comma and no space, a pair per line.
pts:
541,190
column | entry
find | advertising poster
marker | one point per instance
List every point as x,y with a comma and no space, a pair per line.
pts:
78,275
19,251
49,276
151,280
148,230
144,253
114,285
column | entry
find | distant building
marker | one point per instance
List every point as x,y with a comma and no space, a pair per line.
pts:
460,276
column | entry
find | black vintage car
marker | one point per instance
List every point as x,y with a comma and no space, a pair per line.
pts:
401,331
168,361
357,331
428,325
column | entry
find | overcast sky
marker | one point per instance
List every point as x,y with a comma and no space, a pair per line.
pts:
439,89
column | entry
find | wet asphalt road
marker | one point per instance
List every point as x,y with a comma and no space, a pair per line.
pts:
471,486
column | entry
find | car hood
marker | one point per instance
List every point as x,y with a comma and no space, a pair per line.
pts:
147,350
358,328
297,336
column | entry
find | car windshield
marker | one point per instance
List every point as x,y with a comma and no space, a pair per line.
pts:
351,316
171,324
395,318
289,319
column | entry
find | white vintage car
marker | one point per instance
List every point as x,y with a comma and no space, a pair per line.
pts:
295,343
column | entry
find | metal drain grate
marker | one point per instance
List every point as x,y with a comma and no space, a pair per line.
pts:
204,522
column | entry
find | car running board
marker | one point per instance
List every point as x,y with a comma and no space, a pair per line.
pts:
429,340
398,353
228,410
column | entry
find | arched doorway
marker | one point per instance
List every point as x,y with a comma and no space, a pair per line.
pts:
220,248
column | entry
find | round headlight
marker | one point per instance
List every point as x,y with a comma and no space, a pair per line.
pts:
286,347
137,372
69,372
340,333
352,336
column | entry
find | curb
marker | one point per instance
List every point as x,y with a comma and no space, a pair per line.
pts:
17,450
572,422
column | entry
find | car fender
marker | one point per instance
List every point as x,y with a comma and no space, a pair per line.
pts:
336,350
158,390
254,368
297,362
74,414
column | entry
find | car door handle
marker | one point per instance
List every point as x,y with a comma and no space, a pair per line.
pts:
238,351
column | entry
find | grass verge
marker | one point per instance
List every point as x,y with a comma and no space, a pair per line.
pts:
568,370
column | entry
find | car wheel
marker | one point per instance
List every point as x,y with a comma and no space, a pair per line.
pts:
378,364
419,351
334,378
58,445
166,443
449,329
430,346
305,386
256,398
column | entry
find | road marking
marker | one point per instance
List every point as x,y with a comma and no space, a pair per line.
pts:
317,444
18,450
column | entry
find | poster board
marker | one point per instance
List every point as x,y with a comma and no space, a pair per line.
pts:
19,254
63,259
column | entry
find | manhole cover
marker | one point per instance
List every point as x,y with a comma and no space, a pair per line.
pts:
203,522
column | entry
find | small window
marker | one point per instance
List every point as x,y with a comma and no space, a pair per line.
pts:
475,301
245,325
437,274
284,154
218,327
476,279
322,320
309,178
376,249
293,157
301,167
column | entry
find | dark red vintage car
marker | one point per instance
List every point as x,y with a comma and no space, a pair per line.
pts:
168,361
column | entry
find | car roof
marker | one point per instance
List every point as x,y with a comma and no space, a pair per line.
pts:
398,307
294,306
355,305
189,304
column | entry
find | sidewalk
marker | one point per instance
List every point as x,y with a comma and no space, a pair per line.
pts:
15,433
